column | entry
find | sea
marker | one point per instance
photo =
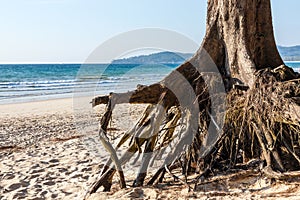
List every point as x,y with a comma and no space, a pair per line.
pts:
35,82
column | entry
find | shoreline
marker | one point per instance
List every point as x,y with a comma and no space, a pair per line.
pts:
66,92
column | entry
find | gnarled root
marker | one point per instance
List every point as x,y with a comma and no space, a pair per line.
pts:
261,123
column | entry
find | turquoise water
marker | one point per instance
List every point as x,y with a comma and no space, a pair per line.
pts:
31,82
295,65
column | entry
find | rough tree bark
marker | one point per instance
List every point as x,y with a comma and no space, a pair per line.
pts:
239,38
262,94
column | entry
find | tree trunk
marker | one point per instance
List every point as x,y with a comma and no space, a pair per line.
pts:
239,38
261,95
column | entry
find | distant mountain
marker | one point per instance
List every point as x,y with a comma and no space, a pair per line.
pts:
287,53
155,58
290,53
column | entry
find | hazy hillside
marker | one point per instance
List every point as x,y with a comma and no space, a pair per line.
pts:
162,57
287,53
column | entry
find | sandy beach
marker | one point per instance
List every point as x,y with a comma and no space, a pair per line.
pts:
46,152
49,150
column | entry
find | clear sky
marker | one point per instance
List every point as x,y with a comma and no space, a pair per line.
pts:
69,30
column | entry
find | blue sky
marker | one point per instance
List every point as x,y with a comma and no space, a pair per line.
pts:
69,30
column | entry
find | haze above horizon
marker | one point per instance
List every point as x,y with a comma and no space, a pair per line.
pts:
67,31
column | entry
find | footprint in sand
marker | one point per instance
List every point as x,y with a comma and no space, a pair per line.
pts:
21,194
49,183
37,171
9,176
14,186
54,161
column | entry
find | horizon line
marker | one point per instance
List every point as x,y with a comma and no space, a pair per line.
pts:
79,63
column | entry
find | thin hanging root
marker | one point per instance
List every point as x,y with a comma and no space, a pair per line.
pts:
106,177
291,151
156,176
150,144
140,123
108,146
129,133
266,153
186,139
167,134
159,175
170,128
241,130
144,133
113,155
274,152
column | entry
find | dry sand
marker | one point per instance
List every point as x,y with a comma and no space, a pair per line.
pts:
49,150
38,107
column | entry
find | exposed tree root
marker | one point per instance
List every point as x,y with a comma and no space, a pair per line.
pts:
262,123
203,129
